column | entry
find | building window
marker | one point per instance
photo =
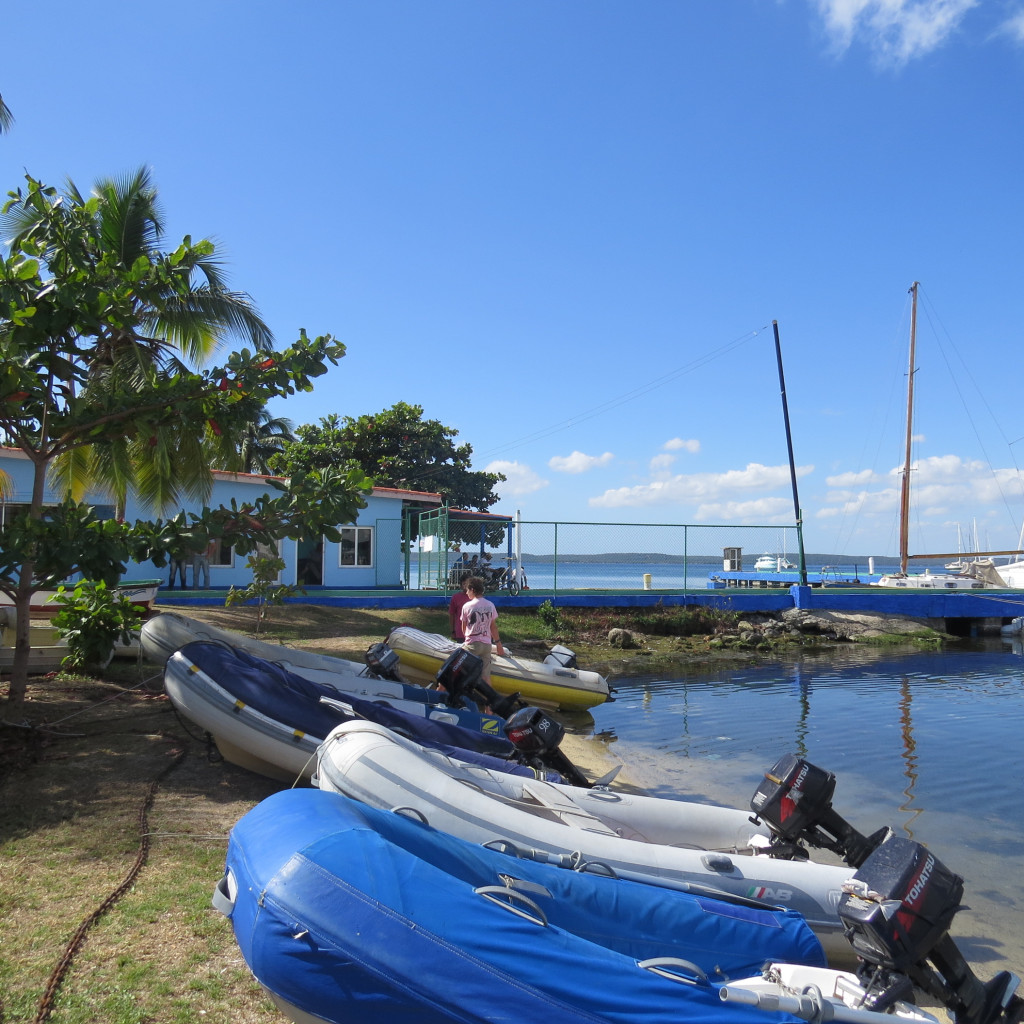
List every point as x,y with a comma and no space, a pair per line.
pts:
356,546
224,555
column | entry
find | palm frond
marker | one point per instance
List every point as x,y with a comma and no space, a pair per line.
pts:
6,117
130,220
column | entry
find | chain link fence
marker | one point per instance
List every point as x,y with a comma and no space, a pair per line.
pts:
575,556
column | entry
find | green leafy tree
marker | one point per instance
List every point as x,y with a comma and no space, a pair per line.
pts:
72,383
159,309
6,117
396,448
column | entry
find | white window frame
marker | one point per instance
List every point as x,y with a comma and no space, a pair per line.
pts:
364,532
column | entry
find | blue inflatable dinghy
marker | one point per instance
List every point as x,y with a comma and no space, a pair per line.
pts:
349,914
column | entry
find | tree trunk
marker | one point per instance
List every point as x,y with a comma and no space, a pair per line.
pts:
14,710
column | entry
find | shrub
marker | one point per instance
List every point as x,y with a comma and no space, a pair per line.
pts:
264,590
93,617
549,615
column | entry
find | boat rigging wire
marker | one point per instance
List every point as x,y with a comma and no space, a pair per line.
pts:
966,371
609,404
628,396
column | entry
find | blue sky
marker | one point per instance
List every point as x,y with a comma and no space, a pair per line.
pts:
565,228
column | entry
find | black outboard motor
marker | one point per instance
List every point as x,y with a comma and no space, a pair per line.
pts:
536,736
460,678
534,733
383,662
795,801
896,912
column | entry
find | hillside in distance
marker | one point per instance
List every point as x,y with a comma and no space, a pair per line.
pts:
655,558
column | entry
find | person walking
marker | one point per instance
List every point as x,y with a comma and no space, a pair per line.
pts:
479,620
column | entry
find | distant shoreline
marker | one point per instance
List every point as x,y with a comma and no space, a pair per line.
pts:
647,558
715,561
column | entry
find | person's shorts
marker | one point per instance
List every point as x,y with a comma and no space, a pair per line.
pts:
483,652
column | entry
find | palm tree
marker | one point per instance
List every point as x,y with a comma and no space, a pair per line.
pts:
263,438
6,117
170,312
178,308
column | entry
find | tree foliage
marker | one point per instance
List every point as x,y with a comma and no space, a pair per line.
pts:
88,372
6,117
260,440
395,448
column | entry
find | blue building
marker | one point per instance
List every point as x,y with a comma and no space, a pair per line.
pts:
369,554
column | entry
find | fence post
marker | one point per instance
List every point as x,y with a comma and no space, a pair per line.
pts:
554,564
686,556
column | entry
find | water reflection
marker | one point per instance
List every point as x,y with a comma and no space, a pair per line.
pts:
909,756
926,742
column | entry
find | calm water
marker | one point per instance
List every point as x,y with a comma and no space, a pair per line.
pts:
930,744
614,576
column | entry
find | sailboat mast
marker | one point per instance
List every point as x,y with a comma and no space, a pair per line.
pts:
905,493
792,463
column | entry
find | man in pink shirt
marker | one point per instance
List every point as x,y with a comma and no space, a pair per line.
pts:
455,606
479,620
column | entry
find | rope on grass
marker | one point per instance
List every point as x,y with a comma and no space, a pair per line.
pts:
72,948
106,700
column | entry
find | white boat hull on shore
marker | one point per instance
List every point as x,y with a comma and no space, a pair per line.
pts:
662,842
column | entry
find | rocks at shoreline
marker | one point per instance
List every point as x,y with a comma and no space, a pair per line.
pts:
794,625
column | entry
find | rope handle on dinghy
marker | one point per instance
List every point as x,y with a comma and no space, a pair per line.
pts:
660,965
506,898
410,812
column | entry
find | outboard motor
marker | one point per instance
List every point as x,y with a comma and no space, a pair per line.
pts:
460,678
536,736
896,912
795,801
383,662
534,733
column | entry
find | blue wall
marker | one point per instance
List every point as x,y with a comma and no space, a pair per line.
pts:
383,512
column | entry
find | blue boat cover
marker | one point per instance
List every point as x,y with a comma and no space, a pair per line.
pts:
354,914
295,701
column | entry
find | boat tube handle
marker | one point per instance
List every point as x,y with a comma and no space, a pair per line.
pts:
410,812
595,867
506,899
672,967
223,899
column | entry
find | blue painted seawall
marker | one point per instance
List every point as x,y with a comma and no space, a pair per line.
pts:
925,604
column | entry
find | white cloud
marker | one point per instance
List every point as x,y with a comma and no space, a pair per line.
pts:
1014,27
865,476
896,30
578,462
758,510
701,488
945,490
660,463
678,444
521,479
